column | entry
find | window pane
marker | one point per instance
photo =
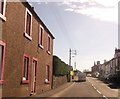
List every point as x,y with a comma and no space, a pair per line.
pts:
35,64
47,73
48,43
41,36
1,60
28,24
26,63
1,6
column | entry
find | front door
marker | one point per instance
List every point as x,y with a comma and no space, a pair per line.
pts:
33,76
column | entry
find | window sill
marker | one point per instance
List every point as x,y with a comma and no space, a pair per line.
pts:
27,36
40,46
2,17
1,82
25,81
49,52
47,82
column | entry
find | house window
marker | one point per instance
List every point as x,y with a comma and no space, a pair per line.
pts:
2,56
25,69
2,9
28,24
47,80
1,6
48,46
41,36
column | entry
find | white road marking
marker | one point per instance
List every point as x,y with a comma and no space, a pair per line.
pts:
105,97
94,87
98,91
88,80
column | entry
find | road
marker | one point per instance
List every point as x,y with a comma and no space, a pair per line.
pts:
91,88
103,88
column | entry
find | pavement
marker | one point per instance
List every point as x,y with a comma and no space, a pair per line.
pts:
55,90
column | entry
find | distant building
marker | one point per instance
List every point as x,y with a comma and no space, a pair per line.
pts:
109,69
95,69
26,51
117,53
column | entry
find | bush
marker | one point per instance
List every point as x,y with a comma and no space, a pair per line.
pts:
60,68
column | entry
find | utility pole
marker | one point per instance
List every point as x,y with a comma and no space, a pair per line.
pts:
75,65
70,57
72,53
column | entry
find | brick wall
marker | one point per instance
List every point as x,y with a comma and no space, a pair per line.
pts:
16,46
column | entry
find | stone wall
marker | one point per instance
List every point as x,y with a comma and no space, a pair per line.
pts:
58,81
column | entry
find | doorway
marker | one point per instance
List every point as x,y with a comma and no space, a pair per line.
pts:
33,76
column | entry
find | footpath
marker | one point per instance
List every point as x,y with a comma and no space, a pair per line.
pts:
54,91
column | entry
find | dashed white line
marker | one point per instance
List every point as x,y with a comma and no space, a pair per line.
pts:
98,91
105,97
94,87
88,80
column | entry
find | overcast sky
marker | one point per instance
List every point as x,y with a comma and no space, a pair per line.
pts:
88,26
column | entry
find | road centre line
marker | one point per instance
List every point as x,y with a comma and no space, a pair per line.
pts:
105,97
97,90
94,87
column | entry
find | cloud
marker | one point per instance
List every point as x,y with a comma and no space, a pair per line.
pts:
105,10
69,9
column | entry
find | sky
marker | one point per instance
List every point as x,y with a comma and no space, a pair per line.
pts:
88,26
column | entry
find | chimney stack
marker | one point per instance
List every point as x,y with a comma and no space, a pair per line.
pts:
105,61
98,62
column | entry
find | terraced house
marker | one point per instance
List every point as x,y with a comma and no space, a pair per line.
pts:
109,70
26,50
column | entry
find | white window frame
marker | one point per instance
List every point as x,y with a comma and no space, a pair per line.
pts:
41,45
3,61
26,34
24,80
48,50
3,15
47,78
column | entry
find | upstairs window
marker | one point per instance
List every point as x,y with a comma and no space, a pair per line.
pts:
28,24
25,69
2,9
2,56
41,36
48,46
1,6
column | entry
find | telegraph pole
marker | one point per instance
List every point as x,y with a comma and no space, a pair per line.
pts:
72,53
75,65
70,57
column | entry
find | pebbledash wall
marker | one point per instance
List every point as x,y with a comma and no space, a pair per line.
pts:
26,50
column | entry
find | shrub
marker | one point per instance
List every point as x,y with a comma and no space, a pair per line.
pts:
60,68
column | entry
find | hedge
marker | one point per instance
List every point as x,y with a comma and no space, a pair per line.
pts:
60,68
